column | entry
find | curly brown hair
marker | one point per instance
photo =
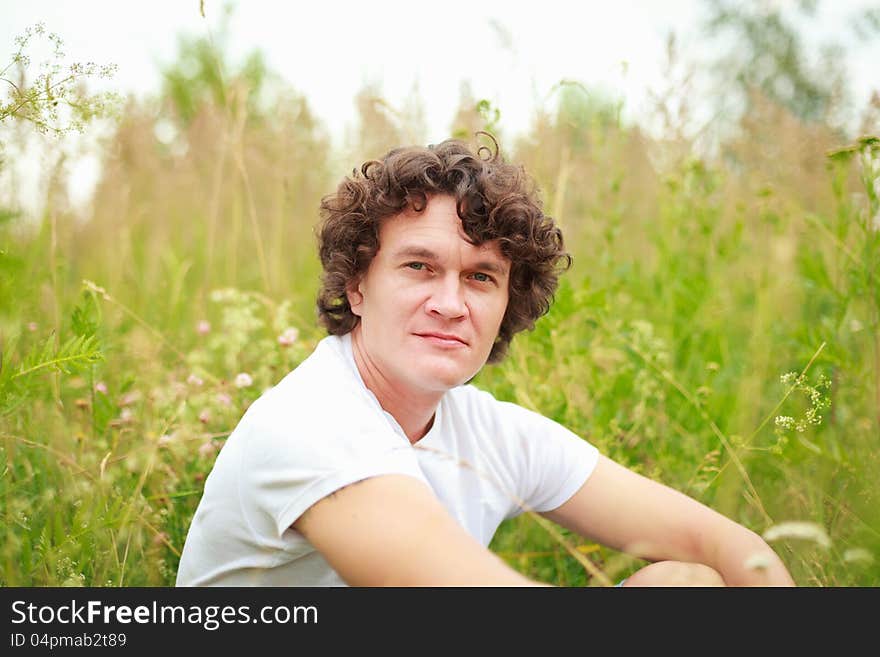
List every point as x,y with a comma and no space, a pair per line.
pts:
495,201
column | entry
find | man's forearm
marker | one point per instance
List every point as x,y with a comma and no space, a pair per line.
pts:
744,559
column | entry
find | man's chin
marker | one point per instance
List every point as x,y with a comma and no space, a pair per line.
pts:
441,372
441,381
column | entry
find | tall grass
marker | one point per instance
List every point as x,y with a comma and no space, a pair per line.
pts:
718,330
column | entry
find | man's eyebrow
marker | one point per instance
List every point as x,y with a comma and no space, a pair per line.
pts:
427,254
489,265
415,252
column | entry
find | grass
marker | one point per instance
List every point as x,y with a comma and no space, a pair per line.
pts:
697,288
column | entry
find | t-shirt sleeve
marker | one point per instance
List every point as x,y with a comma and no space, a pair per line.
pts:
285,470
555,463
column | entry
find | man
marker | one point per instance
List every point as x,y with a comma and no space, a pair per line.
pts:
375,463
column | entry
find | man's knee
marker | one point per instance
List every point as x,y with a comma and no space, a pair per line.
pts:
675,573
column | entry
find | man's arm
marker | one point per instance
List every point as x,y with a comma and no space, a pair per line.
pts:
390,530
628,512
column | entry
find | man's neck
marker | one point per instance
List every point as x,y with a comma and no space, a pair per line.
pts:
414,411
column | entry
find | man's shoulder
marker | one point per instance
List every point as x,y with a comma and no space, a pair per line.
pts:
473,395
476,402
316,388
479,405
468,393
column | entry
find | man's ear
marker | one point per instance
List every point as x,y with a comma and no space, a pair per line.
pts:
355,297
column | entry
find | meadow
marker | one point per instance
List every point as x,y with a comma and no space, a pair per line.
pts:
718,329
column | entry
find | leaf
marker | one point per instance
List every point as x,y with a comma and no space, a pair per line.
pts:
85,318
73,355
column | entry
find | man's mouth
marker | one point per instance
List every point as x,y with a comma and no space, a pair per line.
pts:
443,339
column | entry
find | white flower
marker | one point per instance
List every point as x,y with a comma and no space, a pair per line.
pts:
288,337
808,530
208,448
758,561
243,380
164,440
784,421
193,380
224,294
858,555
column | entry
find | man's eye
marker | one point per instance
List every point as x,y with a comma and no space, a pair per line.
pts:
483,278
418,266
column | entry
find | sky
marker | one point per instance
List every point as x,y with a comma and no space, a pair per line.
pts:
512,53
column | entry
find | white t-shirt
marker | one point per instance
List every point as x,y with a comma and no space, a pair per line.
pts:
321,429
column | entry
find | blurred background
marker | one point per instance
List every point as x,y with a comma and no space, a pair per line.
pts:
819,56
714,165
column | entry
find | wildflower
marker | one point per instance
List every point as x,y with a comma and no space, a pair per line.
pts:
807,530
129,398
784,421
288,337
224,294
74,580
126,416
207,448
758,561
243,380
101,387
203,327
32,326
204,416
859,555
193,380
160,538
165,440
223,399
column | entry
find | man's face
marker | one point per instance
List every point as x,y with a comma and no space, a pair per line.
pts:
430,303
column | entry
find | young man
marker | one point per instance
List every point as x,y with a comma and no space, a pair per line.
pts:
375,463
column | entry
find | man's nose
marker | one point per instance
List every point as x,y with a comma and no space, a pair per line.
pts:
447,298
